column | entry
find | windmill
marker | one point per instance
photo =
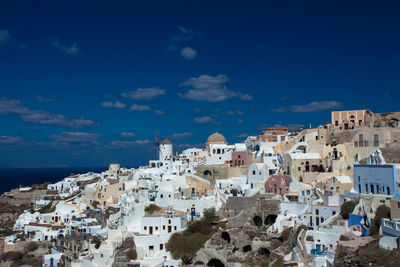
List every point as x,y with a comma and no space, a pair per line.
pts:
157,138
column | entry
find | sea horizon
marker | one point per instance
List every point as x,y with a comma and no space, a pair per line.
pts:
15,177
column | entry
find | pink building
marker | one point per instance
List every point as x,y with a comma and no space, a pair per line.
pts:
240,158
278,184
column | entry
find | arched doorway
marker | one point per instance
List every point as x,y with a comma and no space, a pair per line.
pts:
307,166
226,237
247,248
257,220
215,263
207,174
270,219
264,252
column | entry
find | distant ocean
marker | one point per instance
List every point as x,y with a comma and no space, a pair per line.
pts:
12,178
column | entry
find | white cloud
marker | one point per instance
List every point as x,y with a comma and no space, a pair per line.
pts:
129,134
180,136
183,35
115,104
209,88
9,140
136,107
144,93
246,97
42,99
118,143
159,112
15,107
280,109
71,49
75,137
188,53
205,120
311,107
4,37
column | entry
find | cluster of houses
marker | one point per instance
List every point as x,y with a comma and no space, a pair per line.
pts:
312,172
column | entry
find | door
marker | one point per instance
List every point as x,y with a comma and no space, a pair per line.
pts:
169,228
151,251
151,230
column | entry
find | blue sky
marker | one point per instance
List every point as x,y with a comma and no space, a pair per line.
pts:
83,84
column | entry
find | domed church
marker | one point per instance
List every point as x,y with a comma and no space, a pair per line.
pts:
215,138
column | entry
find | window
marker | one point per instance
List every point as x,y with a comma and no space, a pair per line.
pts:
336,123
161,246
254,172
376,140
398,204
359,122
366,188
175,228
360,140
156,228
317,212
169,221
163,227
145,228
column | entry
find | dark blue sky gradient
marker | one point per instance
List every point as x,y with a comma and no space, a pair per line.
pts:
282,53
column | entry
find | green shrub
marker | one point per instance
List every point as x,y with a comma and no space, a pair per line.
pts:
47,208
278,263
276,243
31,246
12,256
347,208
152,208
285,234
131,254
95,204
344,238
299,228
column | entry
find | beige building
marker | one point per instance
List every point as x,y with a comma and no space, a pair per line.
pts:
304,166
215,138
105,193
369,203
213,172
350,119
395,209
197,187
335,184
